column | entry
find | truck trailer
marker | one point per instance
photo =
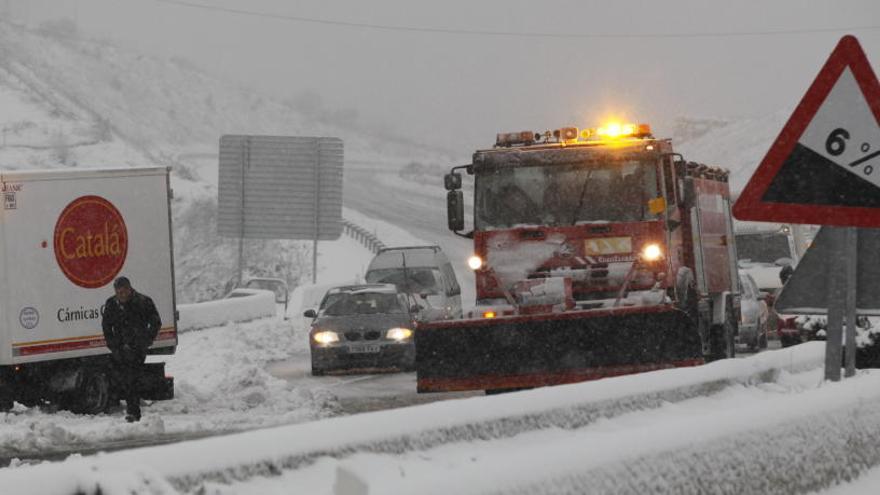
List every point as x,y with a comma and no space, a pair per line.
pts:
65,235
597,252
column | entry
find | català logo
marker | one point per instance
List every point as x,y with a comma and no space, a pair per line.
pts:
91,241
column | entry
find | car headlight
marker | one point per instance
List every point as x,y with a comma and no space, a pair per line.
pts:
398,334
475,262
652,252
326,337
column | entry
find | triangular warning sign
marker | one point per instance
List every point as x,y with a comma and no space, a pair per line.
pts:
824,168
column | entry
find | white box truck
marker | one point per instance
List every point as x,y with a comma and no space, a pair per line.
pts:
65,235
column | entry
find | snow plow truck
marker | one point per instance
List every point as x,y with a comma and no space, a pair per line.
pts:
597,253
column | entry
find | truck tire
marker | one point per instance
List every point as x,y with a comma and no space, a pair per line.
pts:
93,394
721,342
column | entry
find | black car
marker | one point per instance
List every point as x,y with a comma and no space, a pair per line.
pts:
362,328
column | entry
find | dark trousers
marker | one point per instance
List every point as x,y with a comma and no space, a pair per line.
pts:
129,367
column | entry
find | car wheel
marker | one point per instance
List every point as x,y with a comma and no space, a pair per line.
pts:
317,371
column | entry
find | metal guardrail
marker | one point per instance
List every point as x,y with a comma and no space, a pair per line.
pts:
362,235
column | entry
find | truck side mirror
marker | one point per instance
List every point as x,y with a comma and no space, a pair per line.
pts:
689,193
452,181
455,209
310,313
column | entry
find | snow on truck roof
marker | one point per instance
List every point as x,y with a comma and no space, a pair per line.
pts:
80,173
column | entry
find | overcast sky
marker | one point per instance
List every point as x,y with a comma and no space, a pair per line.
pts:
459,90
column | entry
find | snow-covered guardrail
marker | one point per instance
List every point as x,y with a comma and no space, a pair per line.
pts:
362,235
249,304
232,458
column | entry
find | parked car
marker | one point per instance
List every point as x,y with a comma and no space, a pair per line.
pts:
276,285
362,328
423,271
754,314
795,329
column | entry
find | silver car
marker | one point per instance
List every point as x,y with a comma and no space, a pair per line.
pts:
362,328
754,313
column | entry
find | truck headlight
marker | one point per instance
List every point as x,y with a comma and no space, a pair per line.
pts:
398,334
326,337
652,252
475,262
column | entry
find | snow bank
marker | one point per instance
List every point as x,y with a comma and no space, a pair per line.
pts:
264,452
745,440
257,304
221,385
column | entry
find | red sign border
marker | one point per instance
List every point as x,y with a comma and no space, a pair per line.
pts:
749,206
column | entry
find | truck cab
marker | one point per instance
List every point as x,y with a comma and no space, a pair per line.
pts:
599,228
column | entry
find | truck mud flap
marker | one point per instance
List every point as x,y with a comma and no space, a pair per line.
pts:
533,351
154,384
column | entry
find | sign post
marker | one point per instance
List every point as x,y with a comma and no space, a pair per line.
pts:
824,169
838,289
850,247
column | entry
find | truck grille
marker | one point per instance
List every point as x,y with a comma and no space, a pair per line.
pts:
356,336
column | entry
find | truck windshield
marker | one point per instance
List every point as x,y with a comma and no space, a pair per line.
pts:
556,195
762,248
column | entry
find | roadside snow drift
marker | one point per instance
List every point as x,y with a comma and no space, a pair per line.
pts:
221,385
259,304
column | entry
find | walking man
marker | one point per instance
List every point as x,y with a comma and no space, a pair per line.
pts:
130,323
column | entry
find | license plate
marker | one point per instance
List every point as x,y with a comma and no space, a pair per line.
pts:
363,349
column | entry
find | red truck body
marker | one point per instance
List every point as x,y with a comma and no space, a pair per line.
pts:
597,257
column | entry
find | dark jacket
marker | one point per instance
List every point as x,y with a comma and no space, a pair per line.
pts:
132,326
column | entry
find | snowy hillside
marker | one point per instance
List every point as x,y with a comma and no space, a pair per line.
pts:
70,102
737,145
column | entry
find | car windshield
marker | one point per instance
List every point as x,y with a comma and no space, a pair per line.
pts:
613,191
414,280
762,248
362,303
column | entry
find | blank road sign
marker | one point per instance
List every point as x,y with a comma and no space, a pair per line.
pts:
280,187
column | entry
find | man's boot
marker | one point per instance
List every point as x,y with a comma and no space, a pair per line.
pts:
133,410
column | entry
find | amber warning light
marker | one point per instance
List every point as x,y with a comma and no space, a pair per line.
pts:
572,135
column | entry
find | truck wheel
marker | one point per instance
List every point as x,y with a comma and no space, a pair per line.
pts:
93,394
721,342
